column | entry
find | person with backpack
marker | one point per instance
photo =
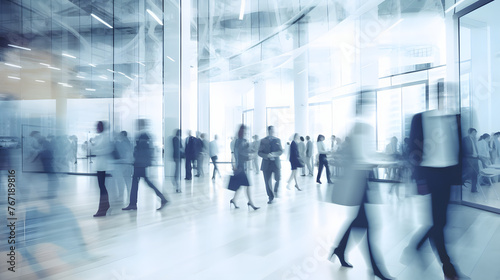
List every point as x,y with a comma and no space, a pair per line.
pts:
143,158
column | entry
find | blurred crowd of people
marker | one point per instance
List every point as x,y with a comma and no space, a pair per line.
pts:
350,163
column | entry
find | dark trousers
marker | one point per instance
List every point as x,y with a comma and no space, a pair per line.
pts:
189,175
361,221
323,162
138,173
103,193
214,161
439,184
272,168
471,170
177,174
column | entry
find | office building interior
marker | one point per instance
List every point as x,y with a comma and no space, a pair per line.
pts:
207,67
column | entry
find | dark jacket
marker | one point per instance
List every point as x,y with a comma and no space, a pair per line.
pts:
191,148
267,145
143,153
177,147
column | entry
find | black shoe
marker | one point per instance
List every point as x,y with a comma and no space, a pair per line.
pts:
163,203
187,179
381,276
231,202
341,259
270,201
253,206
130,208
303,175
178,191
101,212
318,181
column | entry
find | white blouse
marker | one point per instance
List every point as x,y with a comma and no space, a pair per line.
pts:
483,149
321,148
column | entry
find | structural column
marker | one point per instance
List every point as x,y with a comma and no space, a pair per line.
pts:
172,79
301,93
259,113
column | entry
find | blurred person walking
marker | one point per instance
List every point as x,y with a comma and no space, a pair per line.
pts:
470,158
270,150
143,155
302,153
177,155
255,149
352,187
323,161
242,155
295,161
214,151
438,166
101,148
190,154
309,155
123,164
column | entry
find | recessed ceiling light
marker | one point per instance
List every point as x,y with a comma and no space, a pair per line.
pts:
19,47
154,16
68,55
102,21
13,65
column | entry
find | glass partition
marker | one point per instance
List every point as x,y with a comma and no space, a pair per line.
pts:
480,97
69,64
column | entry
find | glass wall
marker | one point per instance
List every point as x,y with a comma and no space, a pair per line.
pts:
479,31
68,64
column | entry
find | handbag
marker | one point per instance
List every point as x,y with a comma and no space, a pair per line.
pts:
237,180
301,162
349,190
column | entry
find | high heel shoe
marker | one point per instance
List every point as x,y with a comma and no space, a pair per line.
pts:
341,259
297,187
253,206
101,212
232,202
379,275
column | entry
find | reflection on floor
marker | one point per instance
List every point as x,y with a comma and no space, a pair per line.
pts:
197,236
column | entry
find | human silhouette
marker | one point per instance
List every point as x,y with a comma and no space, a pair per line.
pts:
270,150
142,159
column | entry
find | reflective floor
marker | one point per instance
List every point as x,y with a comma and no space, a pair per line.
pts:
198,236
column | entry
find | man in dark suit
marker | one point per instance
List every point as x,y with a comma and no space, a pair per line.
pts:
191,153
470,161
177,156
270,151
